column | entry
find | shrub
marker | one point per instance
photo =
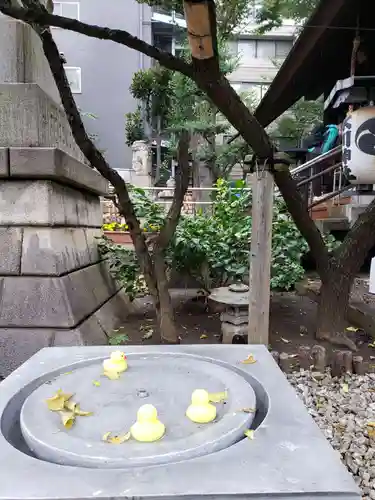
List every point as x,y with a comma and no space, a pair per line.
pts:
214,247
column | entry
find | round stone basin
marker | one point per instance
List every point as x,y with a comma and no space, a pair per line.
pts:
167,382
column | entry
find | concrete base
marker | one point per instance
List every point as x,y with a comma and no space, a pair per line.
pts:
54,288
17,345
288,458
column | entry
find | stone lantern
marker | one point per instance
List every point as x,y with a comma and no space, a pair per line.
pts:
235,318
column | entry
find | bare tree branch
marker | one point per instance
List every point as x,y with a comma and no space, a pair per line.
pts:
182,183
42,17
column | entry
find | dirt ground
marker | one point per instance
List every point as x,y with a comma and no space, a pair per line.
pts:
292,324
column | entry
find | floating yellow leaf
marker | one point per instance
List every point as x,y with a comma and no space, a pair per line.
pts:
250,360
81,413
96,383
119,439
218,397
57,402
112,375
352,329
249,434
248,410
70,406
106,436
203,337
345,388
67,418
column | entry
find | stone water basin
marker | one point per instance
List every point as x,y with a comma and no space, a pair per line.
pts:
40,460
166,382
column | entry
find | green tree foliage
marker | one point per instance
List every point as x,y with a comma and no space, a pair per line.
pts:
272,12
171,103
134,129
298,122
230,13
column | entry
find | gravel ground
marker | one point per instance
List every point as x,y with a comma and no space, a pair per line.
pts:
343,409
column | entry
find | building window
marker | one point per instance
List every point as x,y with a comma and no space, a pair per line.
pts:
66,9
163,42
74,78
248,49
265,49
282,48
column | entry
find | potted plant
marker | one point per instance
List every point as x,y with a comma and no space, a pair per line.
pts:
118,233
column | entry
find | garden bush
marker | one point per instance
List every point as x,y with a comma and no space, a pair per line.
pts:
213,246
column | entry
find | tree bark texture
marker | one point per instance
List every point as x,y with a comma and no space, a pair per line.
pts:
333,308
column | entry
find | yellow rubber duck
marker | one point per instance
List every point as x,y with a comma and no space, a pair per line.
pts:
116,363
147,427
201,411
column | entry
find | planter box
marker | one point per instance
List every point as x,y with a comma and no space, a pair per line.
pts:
119,237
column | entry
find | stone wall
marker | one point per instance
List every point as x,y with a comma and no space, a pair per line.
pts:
55,290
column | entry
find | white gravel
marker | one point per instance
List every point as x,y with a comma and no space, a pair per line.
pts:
343,408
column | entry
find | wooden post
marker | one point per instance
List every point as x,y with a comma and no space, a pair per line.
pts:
260,257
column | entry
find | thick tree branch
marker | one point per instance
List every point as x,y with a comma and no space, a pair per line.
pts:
44,18
350,253
182,184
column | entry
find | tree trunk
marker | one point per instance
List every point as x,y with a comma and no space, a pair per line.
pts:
333,308
158,150
163,303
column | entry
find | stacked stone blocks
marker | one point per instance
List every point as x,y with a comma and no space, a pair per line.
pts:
54,288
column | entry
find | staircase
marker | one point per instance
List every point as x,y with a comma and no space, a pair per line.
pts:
338,210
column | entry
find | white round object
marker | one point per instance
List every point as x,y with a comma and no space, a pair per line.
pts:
358,146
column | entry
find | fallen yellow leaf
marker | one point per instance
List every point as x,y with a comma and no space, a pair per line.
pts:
285,340
345,388
203,337
352,329
67,418
249,433
112,375
370,424
250,360
96,383
371,433
218,397
119,439
57,402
